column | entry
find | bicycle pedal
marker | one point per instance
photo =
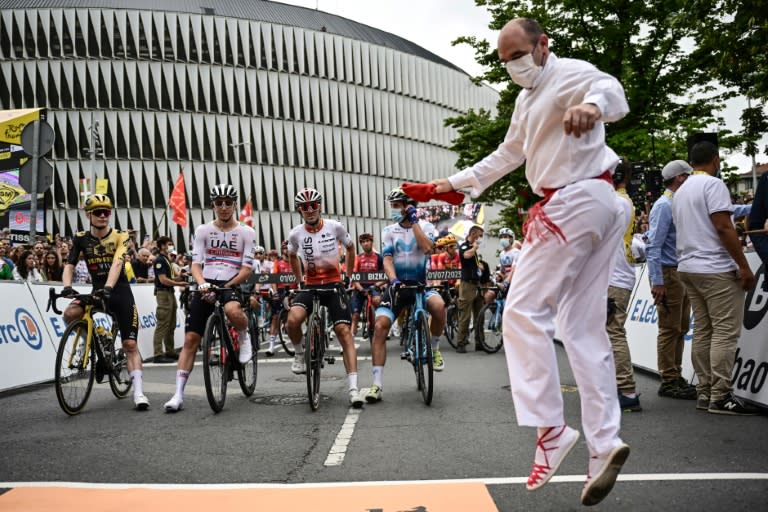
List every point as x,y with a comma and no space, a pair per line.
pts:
331,360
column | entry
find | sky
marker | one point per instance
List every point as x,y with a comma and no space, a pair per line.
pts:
433,24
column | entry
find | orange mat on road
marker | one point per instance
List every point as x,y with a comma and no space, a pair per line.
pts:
458,497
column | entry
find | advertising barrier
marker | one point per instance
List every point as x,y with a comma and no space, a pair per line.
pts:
751,369
29,335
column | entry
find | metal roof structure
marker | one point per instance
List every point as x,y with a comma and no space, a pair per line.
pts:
259,10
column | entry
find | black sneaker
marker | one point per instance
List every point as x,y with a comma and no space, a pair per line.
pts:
733,406
679,389
628,404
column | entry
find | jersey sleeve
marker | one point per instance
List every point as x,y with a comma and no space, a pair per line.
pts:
198,246
249,245
342,235
387,244
77,249
121,246
293,242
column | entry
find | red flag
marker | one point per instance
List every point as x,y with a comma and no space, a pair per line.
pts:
246,214
178,202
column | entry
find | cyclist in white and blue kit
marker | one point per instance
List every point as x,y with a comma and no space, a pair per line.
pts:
405,246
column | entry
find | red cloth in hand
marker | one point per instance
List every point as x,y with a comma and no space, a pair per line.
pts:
423,192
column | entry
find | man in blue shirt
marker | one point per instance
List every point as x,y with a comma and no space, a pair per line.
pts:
668,291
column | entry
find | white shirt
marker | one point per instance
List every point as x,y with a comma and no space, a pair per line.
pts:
699,249
223,253
624,272
536,135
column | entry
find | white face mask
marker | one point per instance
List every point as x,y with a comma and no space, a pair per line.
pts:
523,71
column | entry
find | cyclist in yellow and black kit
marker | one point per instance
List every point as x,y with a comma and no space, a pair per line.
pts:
103,249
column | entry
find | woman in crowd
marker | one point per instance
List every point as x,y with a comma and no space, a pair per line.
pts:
52,268
26,268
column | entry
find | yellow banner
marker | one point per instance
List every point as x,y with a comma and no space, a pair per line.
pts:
102,185
12,123
8,193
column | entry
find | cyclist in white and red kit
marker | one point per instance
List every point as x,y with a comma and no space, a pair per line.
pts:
222,256
316,242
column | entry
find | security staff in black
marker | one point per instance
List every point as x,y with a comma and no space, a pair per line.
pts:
470,299
103,249
165,296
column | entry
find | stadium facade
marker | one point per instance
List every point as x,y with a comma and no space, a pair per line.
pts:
267,96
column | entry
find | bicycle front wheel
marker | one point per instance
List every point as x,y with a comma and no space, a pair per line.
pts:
246,373
75,368
424,366
120,380
313,357
451,325
215,364
284,341
488,332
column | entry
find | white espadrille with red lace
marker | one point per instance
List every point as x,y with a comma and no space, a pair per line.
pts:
602,473
551,448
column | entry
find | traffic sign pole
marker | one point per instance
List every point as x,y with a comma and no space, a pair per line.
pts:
33,192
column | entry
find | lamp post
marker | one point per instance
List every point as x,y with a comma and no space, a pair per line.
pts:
62,207
93,151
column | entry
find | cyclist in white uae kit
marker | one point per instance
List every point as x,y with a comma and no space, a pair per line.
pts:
222,255
316,241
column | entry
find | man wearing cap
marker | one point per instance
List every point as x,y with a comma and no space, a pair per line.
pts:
470,299
668,292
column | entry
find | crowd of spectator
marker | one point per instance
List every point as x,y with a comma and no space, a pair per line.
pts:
44,260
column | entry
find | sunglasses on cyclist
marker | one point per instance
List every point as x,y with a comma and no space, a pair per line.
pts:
102,213
309,207
223,203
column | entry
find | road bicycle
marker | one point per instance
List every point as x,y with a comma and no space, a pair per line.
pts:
220,353
316,344
417,342
489,335
450,295
87,352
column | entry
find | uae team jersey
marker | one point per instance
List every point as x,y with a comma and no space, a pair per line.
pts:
319,251
400,243
223,253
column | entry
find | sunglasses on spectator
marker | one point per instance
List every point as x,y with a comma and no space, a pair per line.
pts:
309,207
102,213
223,203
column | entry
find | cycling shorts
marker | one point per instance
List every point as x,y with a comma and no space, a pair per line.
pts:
122,306
199,310
359,299
393,303
337,304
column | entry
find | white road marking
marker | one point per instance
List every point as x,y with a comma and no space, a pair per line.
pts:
648,477
339,448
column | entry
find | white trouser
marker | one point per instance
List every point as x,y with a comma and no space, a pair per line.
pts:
568,279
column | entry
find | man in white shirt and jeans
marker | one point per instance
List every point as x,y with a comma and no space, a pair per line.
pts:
712,265
565,265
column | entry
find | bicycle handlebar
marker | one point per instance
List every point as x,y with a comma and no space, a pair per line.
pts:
85,297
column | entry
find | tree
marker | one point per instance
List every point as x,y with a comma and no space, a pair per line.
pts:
647,45
735,34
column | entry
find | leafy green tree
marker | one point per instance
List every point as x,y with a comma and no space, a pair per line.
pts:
646,44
